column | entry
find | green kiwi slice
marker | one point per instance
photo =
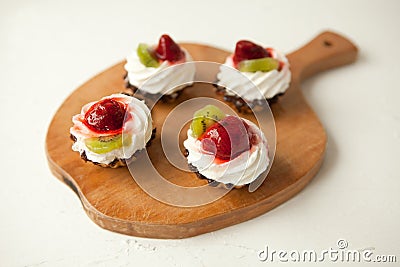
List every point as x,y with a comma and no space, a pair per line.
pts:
105,144
260,64
145,56
204,118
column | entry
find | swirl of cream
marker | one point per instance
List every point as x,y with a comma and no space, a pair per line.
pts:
163,80
241,170
268,84
138,127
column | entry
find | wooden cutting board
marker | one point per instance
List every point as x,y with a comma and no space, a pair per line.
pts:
114,201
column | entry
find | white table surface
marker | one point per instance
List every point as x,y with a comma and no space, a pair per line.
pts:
48,48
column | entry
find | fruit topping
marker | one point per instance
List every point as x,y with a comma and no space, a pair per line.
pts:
227,138
260,64
281,64
146,56
105,144
167,49
105,116
204,118
248,50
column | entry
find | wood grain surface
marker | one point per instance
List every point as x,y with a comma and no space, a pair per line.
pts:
114,201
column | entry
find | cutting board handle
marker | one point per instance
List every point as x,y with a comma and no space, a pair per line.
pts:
327,50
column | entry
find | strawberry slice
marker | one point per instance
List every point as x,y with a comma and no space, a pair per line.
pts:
167,49
105,116
227,138
248,50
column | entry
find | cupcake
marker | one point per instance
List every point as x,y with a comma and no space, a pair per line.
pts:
225,149
110,131
266,75
150,60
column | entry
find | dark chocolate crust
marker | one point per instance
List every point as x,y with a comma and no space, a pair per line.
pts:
240,104
116,162
131,90
211,182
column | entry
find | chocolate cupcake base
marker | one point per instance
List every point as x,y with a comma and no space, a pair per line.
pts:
210,182
241,105
131,90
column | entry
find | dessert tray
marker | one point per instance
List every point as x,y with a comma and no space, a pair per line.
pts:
114,201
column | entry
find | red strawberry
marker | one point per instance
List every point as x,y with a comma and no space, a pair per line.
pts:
167,49
248,50
227,138
105,116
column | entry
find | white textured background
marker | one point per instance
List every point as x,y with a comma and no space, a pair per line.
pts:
48,48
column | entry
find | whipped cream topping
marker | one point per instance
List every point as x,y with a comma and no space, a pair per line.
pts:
168,80
241,170
268,84
138,127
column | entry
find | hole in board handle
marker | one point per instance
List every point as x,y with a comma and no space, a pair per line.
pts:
327,43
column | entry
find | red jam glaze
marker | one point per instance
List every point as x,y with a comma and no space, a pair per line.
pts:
167,49
248,50
227,139
106,116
